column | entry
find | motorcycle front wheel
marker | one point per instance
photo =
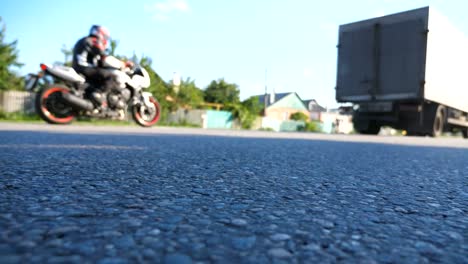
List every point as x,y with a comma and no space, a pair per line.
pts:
146,116
51,107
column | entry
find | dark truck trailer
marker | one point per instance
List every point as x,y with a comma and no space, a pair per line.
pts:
407,71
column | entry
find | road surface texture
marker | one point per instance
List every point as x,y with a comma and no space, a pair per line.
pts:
75,194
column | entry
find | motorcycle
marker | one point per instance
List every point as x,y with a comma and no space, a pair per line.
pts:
62,94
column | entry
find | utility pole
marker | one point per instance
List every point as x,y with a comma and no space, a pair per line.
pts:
265,96
176,82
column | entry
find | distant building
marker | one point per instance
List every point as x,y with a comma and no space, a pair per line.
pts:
313,106
335,122
280,106
314,109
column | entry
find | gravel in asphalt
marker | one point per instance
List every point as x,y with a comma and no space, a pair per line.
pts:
97,198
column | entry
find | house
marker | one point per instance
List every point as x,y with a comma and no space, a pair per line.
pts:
278,110
280,106
314,108
335,122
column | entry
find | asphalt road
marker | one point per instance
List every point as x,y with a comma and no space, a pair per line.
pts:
74,194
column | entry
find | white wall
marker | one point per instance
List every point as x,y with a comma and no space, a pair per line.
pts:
329,121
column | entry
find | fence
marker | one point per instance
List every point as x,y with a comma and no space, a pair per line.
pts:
193,117
202,118
218,119
17,101
284,126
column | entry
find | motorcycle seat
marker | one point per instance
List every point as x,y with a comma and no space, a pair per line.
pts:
67,73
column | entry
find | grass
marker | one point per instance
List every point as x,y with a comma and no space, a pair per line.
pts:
181,123
102,122
18,117
32,117
266,129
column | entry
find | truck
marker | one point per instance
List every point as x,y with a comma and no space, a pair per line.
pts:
406,71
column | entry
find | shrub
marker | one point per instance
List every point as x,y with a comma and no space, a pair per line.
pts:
311,127
266,129
299,116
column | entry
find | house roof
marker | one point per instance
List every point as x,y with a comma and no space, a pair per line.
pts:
278,97
314,107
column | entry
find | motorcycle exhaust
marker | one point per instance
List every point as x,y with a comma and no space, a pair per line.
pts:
77,102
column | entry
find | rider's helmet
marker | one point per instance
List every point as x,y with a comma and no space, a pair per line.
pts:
101,36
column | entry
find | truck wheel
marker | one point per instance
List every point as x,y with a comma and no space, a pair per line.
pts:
439,121
372,128
465,132
414,133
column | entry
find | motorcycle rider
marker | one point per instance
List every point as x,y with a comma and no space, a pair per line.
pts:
89,54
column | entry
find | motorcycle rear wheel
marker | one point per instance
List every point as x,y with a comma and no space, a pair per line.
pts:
51,107
145,116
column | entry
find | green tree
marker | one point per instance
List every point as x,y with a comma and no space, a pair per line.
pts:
247,111
9,80
253,105
189,94
113,46
67,53
222,92
252,108
158,87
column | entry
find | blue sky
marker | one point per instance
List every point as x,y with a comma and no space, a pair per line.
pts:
294,41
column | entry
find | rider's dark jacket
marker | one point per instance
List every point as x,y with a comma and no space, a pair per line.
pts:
85,54
87,60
